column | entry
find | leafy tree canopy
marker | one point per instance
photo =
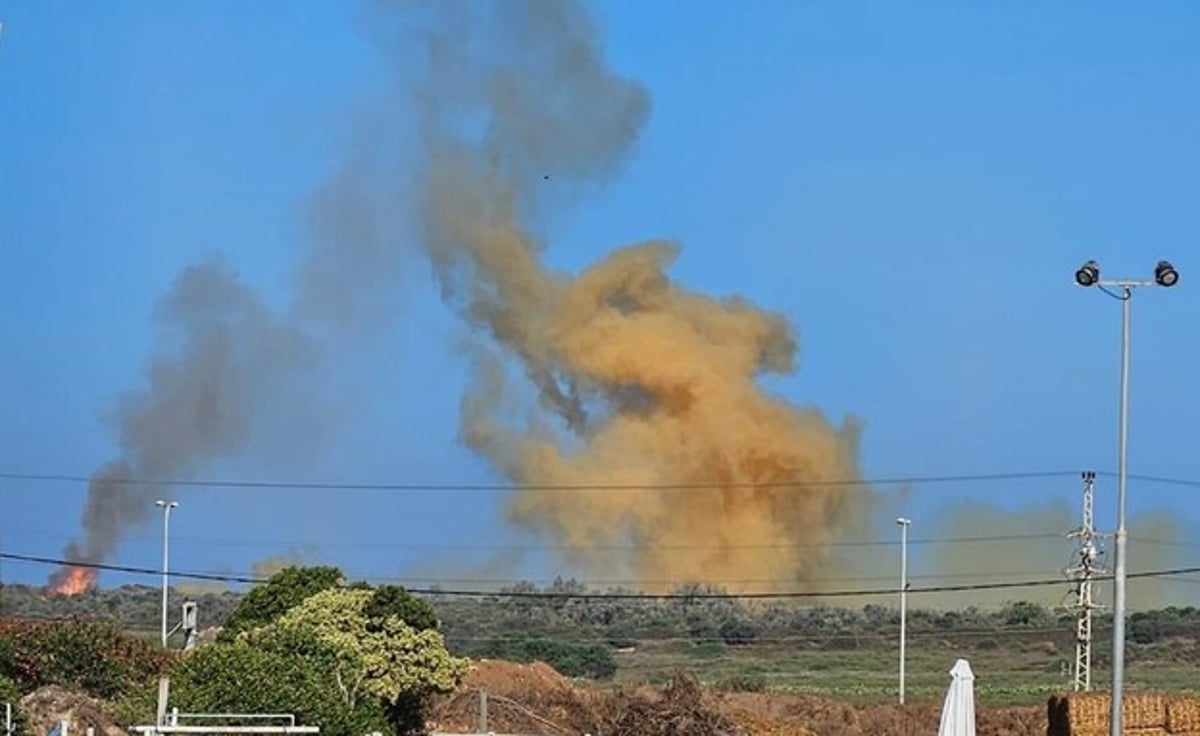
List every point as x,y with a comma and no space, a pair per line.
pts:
385,658
285,590
394,601
240,678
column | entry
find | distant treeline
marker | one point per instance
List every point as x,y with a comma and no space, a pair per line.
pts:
579,635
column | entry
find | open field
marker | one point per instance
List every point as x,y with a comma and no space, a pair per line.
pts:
1018,674
1007,673
1020,655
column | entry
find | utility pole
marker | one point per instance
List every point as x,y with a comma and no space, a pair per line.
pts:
904,524
1084,571
166,506
1088,275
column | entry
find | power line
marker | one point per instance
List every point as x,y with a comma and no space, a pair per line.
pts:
1158,479
478,487
449,487
247,541
866,592
204,541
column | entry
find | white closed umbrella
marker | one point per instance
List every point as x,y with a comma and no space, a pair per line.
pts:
958,712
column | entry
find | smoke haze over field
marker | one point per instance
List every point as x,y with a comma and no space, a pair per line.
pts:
1031,543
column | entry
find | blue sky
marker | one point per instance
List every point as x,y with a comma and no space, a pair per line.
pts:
912,186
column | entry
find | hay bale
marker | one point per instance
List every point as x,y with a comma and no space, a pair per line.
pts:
1087,712
1183,714
1145,711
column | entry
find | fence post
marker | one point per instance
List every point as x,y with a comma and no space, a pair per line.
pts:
483,711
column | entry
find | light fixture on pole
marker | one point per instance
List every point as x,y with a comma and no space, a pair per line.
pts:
904,524
166,506
1088,275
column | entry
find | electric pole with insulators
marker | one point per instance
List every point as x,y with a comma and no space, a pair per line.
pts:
1085,569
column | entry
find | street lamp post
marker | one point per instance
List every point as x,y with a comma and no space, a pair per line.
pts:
1089,275
904,524
166,506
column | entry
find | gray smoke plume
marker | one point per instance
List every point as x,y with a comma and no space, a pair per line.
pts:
229,376
225,368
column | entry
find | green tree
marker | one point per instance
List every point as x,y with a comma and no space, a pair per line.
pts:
286,589
384,659
239,678
394,600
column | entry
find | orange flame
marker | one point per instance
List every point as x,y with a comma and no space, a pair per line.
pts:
72,581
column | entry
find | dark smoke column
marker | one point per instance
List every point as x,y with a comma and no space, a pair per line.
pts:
223,362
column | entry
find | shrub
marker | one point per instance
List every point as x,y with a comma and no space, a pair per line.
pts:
238,678
594,660
11,694
745,682
735,631
90,655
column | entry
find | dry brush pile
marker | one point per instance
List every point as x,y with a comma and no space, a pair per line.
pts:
534,699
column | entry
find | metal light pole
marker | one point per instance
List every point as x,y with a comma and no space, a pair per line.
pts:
166,506
904,524
1122,289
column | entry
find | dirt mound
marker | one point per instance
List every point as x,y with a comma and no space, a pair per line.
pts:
509,679
521,698
51,704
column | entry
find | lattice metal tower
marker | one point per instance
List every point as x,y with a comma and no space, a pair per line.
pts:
1084,570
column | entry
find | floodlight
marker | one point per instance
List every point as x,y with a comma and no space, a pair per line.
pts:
1165,274
1088,274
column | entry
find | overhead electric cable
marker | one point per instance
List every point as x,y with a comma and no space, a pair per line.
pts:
614,595
477,487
